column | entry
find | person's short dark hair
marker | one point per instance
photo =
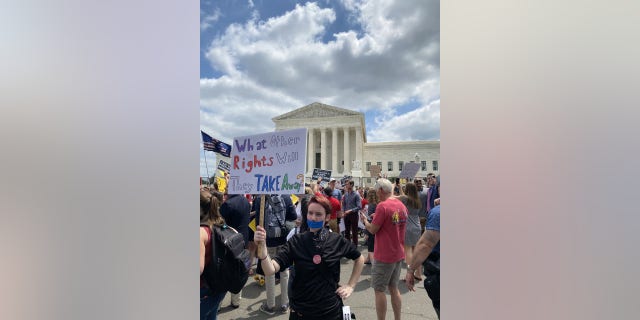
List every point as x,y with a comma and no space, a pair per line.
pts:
304,208
327,191
324,202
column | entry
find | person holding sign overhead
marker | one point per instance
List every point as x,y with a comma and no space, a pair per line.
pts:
279,216
271,165
315,255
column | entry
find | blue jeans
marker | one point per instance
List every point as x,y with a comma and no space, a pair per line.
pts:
209,304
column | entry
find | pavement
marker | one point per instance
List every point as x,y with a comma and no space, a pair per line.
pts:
415,305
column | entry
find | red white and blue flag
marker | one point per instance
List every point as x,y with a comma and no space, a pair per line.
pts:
215,145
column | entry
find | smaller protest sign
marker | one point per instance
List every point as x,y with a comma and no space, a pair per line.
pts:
375,171
325,174
224,166
409,170
344,179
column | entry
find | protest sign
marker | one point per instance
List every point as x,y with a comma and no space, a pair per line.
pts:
340,184
325,174
269,163
224,166
409,170
222,184
375,171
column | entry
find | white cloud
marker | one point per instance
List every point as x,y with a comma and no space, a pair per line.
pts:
273,66
208,20
420,124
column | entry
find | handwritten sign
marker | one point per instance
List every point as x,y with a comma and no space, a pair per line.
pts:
375,171
409,170
325,174
269,163
224,166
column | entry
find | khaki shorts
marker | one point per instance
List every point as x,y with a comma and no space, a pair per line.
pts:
385,275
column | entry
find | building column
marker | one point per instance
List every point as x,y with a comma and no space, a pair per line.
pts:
347,159
359,150
323,149
311,152
334,150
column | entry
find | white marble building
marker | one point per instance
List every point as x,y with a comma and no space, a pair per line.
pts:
337,141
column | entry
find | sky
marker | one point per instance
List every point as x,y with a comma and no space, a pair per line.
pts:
260,59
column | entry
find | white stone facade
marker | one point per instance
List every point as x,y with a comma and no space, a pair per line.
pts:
337,141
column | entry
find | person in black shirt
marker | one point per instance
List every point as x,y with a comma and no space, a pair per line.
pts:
279,213
315,255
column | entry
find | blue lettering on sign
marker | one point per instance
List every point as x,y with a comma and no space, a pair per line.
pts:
266,183
262,144
246,145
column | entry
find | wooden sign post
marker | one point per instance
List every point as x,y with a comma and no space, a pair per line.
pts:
262,199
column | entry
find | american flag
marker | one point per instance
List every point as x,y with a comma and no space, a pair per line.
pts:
215,145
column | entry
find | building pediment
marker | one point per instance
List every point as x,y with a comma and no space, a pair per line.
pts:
317,110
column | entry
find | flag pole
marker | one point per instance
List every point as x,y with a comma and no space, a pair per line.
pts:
206,166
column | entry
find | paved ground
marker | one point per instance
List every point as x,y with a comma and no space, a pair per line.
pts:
415,305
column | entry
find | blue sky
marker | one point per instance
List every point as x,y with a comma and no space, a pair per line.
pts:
260,59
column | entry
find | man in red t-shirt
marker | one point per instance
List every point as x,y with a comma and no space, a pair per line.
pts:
389,225
335,208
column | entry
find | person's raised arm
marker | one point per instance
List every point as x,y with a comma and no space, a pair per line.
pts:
268,266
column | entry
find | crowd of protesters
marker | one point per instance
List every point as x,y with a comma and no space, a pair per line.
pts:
302,239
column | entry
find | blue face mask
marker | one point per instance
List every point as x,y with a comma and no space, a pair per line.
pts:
315,224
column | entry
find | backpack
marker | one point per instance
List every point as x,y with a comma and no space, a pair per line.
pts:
228,269
274,217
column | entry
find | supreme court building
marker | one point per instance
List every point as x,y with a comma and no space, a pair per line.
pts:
337,141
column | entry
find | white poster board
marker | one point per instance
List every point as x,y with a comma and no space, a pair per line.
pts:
409,170
269,163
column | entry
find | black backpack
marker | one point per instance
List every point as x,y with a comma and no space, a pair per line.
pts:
228,269
275,217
